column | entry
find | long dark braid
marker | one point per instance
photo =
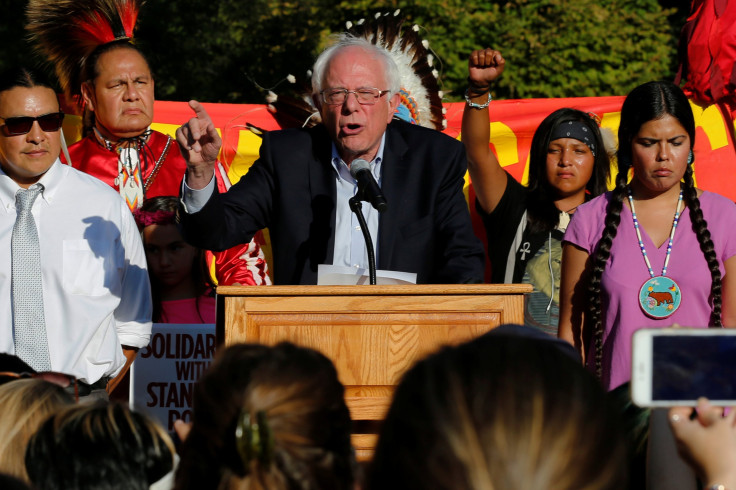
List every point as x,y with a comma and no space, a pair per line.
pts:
594,320
700,227
647,102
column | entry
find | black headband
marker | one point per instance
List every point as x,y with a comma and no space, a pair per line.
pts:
575,130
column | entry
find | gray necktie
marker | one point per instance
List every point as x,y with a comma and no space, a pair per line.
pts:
29,324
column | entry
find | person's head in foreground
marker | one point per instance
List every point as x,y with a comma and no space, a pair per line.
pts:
268,418
26,403
501,412
99,447
30,120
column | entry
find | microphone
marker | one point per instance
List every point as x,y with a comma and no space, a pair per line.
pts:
367,186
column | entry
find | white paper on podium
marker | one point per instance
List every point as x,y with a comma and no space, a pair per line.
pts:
336,275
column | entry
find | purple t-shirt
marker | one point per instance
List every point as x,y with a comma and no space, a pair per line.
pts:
626,272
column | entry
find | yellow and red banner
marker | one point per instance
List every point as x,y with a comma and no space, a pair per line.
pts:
513,123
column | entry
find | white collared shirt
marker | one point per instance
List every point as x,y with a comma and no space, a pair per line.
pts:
350,248
97,296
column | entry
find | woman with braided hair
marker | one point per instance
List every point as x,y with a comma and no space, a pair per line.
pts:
635,257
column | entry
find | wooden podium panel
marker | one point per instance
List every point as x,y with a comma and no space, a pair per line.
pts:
373,334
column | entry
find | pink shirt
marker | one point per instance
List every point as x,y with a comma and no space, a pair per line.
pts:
185,311
626,272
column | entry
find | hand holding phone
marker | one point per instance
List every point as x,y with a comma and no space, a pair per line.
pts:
676,366
707,442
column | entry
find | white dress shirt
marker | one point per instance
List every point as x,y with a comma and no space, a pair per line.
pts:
350,248
97,296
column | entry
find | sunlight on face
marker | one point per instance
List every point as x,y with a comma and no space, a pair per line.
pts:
26,157
659,154
356,128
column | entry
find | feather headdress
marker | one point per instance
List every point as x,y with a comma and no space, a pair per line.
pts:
421,97
68,31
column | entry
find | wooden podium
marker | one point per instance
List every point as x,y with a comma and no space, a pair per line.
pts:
373,334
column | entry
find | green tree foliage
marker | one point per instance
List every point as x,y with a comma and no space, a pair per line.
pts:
224,50
558,48
554,48
15,50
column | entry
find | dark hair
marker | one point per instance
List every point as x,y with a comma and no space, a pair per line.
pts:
542,213
113,447
648,102
500,411
8,482
296,391
200,270
91,70
23,77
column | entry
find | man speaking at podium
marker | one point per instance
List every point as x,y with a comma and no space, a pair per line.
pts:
300,186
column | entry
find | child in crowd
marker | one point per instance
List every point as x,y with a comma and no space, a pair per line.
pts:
180,281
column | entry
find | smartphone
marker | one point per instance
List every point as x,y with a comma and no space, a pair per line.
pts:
676,366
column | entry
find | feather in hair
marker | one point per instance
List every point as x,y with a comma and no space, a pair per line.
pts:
420,93
68,31
421,98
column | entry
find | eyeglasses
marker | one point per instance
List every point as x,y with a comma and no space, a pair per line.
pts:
15,126
64,380
365,95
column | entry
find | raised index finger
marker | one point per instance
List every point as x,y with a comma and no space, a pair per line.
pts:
199,111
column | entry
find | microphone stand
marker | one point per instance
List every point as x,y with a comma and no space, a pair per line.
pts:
357,208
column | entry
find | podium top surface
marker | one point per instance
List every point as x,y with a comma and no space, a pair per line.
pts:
368,290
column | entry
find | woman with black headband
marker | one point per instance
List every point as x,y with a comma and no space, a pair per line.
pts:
568,165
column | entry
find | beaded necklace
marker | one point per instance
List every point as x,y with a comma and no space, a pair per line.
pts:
659,296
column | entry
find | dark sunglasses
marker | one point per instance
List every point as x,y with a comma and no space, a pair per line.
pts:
15,126
66,381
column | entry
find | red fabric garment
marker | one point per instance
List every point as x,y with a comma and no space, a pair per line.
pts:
708,53
244,264
89,156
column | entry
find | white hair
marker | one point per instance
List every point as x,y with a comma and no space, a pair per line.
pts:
345,40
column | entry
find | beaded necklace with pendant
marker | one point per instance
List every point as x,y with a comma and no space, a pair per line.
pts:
659,296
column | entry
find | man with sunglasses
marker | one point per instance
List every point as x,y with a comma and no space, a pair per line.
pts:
300,186
75,295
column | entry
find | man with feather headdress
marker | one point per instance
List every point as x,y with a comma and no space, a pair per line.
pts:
90,44
300,186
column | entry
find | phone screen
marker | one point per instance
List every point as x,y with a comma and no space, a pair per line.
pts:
688,367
